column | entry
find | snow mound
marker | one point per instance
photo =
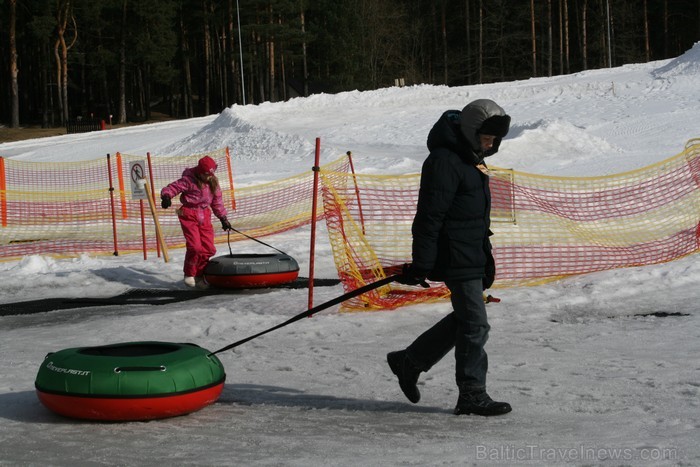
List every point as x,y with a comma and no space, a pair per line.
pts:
687,64
33,264
536,147
246,140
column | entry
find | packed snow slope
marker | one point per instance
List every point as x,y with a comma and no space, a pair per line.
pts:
600,368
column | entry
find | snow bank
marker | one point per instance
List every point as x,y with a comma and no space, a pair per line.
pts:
246,140
687,64
542,140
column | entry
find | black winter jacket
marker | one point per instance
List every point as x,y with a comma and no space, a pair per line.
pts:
450,229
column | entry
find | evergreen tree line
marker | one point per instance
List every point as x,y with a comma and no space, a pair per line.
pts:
124,59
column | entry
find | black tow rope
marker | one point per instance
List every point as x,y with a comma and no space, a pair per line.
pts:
316,309
228,238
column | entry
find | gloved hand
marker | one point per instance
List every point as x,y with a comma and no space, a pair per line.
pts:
411,276
165,202
225,224
490,269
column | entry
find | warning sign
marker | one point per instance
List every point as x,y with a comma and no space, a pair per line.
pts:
137,175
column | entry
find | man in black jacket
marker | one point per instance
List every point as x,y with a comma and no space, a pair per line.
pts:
451,244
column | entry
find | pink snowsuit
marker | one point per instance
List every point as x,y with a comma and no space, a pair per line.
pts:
195,219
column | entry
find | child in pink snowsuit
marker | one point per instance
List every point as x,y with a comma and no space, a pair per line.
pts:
200,195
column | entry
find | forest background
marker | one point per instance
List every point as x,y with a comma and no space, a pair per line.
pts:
125,60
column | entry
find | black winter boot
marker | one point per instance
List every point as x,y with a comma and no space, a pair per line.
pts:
476,401
408,374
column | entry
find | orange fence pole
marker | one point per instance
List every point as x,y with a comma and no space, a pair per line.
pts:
111,202
3,190
314,206
357,192
143,230
230,179
122,189
153,195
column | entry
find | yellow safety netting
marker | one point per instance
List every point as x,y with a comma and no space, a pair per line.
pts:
544,227
67,208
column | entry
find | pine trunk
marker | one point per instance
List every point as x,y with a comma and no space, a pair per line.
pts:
481,41
443,27
121,118
305,69
549,37
207,58
584,46
14,70
534,38
647,49
566,36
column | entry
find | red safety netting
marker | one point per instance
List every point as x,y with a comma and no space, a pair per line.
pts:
544,227
68,208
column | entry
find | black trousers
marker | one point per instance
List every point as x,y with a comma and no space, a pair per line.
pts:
466,330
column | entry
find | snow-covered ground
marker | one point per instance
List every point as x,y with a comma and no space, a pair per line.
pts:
590,381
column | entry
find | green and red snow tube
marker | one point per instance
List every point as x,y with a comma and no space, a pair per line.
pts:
130,381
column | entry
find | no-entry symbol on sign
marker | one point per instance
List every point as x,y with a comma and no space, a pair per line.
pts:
137,174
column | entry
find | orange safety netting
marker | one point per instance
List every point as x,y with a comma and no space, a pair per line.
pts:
544,227
67,208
